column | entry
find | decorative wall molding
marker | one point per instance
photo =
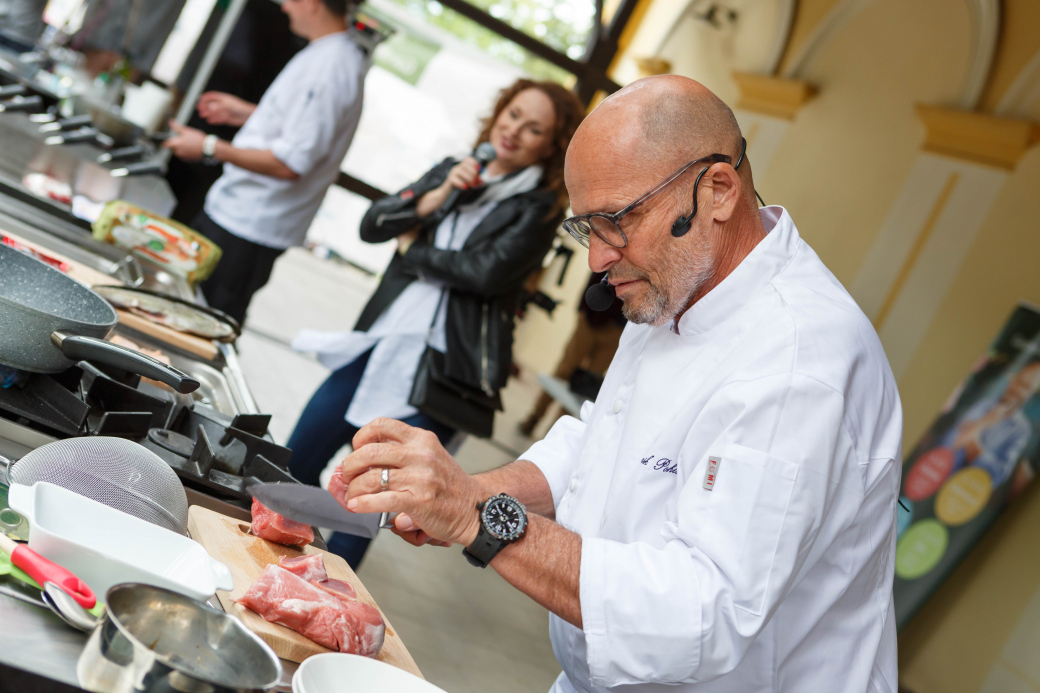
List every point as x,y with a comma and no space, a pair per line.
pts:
985,28
921,247
1023,93
773,96
977,137
781,37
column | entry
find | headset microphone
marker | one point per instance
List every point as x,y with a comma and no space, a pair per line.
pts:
682,224
600,296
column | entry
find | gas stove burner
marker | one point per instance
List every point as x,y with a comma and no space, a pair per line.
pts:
217,454
222,459
172,441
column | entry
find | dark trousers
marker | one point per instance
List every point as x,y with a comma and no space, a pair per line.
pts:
242,271
322,430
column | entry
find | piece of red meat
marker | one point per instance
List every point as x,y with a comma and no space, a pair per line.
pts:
337,488
269,525
337,588
310,568
289,600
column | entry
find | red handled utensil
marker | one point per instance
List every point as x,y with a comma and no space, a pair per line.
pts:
43,571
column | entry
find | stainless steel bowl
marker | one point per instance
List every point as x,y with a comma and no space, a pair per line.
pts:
152,640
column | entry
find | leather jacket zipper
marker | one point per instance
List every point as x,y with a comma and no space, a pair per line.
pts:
485,384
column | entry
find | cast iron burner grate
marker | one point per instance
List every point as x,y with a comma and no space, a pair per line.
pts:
220,454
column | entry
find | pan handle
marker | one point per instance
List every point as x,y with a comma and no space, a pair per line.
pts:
80,348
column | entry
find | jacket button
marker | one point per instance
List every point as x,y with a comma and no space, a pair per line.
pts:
617,406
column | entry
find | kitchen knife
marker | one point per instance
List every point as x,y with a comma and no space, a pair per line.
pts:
316,506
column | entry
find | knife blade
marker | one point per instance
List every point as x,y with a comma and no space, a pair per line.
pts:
315,506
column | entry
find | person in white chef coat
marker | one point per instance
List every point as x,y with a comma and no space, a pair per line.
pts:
289,150
723,517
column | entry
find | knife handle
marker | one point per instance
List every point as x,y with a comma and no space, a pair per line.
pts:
386,520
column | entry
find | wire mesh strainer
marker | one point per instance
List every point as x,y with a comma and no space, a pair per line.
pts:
116,472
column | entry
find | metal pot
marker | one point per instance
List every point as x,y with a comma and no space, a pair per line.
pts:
49,321
152,640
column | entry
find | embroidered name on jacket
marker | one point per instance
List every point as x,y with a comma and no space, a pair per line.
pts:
662,465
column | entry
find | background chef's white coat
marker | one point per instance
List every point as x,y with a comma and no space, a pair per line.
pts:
780,578
307,119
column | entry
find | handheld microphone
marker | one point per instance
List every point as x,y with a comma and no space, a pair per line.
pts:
484,154
600,296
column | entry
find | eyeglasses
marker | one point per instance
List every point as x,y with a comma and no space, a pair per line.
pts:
607,226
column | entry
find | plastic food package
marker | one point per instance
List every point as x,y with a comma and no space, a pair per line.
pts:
179,249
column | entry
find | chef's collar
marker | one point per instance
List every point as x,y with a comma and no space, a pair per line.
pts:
753,273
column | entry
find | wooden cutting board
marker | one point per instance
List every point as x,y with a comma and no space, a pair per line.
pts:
228,540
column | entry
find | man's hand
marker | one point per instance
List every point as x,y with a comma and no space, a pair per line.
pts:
218,108
438,497
186,142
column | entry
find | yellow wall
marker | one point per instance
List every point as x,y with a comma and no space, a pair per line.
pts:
849,150
807,17
1019,42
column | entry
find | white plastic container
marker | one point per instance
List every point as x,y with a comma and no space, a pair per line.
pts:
104,547
334,672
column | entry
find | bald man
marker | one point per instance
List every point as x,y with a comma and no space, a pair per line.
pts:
723,517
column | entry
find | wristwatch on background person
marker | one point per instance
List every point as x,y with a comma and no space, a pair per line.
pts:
209,150
503,520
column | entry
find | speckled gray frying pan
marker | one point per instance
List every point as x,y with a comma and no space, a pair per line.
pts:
49,321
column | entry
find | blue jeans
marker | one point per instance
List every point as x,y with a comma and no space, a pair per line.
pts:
322,430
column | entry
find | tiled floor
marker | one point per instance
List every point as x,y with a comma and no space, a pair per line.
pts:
467,629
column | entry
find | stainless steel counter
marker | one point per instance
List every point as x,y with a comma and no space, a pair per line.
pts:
24,152
32,638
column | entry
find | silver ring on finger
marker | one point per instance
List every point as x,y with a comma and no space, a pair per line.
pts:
384,479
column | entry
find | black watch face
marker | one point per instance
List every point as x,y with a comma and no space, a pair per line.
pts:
505,518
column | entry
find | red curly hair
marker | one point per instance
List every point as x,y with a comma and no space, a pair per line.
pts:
569,114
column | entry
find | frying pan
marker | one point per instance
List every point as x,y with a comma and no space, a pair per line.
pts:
49,321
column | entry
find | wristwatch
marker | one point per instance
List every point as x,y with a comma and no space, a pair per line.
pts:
209,150
503,520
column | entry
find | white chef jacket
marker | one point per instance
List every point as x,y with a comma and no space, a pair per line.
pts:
306,118
778,577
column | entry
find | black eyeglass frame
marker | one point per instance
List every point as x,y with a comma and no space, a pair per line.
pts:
573,225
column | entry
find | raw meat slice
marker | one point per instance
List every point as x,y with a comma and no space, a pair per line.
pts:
286,599
269,525
337,488
337,588
310,568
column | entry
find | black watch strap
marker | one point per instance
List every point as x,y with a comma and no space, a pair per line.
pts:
483,549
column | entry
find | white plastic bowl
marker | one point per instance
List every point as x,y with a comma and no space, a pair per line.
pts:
104,547
334,672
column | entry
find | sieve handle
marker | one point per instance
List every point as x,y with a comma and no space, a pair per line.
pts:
5,470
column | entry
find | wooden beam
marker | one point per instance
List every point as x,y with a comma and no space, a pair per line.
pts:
359,187
531,44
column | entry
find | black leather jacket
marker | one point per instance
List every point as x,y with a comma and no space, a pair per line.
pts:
486,276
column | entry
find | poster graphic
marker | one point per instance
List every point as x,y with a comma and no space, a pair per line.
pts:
977,456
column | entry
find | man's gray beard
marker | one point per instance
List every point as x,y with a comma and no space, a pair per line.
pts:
691,267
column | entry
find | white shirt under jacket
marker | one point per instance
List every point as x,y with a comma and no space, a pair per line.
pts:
779,578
